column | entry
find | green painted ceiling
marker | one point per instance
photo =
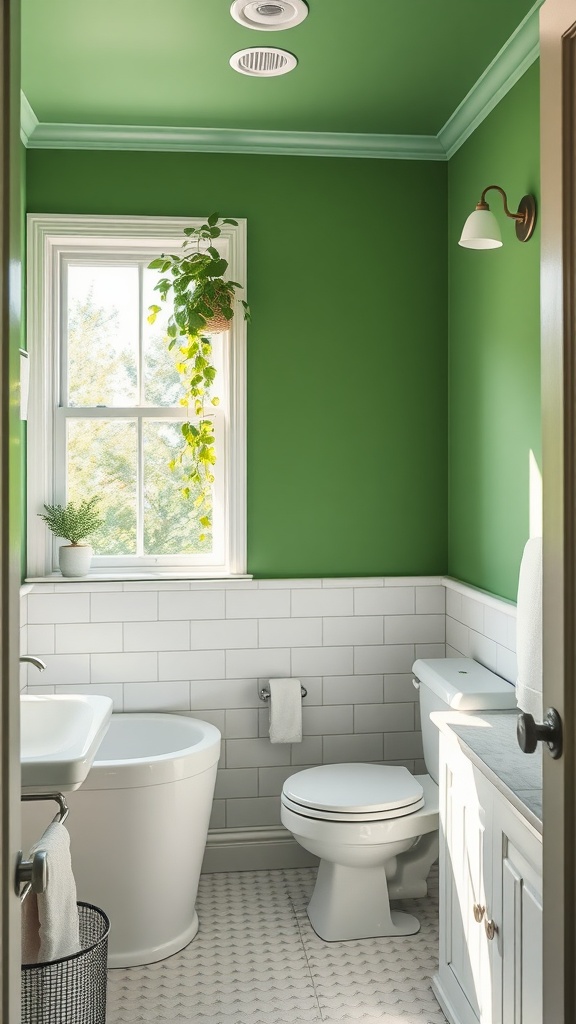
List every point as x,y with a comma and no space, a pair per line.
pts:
376,66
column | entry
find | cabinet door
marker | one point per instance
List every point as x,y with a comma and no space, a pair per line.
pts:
466,866
517,911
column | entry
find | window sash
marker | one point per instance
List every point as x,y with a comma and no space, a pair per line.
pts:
57,241
123,259
139,414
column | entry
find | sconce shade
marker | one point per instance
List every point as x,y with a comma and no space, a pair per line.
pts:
481,231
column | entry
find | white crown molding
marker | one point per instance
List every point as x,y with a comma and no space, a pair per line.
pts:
28,120
233,140
515,57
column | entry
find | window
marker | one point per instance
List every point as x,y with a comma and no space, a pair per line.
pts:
104,411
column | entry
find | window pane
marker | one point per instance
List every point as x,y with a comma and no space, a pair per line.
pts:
171,525
103,314
102,460
162,384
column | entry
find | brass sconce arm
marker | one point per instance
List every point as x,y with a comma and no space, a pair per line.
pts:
483,205
525,216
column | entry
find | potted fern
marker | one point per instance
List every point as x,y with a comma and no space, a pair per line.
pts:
202,305
74,523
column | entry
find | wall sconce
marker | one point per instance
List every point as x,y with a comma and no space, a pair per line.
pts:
482,231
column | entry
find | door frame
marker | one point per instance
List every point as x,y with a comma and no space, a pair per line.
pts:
558,199
10,505
558,319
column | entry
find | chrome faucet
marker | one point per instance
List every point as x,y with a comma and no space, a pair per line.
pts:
40,665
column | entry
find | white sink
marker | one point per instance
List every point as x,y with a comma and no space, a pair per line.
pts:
59,737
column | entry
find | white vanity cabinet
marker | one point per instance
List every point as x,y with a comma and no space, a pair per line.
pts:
490,956
517,911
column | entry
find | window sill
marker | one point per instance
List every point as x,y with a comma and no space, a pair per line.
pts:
139,577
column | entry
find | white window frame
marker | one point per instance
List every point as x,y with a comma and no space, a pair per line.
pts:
54,240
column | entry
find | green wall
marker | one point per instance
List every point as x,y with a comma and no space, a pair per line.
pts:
494,354
347,371
347,465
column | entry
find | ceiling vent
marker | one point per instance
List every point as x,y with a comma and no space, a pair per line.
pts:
269,17
263,61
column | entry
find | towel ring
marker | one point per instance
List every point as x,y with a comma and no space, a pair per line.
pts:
33,874
265,692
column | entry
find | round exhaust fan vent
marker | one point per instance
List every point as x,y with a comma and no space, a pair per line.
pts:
269,17
263,61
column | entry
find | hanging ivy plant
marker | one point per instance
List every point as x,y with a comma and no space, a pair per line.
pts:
202,304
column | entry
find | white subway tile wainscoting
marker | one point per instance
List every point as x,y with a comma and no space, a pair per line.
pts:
205,648
481,626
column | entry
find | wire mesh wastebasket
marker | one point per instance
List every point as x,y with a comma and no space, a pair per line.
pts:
71,990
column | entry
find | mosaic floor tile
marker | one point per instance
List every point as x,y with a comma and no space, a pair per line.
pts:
257,960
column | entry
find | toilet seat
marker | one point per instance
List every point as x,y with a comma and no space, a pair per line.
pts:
353,792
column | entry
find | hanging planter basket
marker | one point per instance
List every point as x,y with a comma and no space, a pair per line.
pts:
202,304
217,324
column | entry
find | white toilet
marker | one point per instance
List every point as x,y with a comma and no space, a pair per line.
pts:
375,827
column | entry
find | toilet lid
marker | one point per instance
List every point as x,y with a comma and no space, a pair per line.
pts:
355,789
348,816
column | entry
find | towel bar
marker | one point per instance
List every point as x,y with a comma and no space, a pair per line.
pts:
265,692
33,874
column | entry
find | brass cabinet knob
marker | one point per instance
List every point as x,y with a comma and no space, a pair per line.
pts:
478,912
490,929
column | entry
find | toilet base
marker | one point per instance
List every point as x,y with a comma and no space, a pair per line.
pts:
352,903
409,878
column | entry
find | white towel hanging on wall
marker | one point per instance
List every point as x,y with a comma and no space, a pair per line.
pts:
529,630
285,711
50,919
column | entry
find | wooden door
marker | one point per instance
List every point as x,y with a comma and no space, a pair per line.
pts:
10,505
558,293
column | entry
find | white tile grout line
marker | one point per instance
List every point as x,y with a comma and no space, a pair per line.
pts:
305,951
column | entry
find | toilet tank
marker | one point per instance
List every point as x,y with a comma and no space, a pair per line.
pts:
456,684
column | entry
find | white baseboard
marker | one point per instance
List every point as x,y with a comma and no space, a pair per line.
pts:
254,849
454,1013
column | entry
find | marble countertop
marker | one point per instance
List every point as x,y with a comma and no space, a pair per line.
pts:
488,738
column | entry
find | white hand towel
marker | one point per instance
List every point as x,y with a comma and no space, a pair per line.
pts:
56,908
30,930
529,630
285,711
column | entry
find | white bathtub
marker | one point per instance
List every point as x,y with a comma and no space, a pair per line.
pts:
138,829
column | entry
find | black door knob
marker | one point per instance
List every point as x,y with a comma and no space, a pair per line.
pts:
529,733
